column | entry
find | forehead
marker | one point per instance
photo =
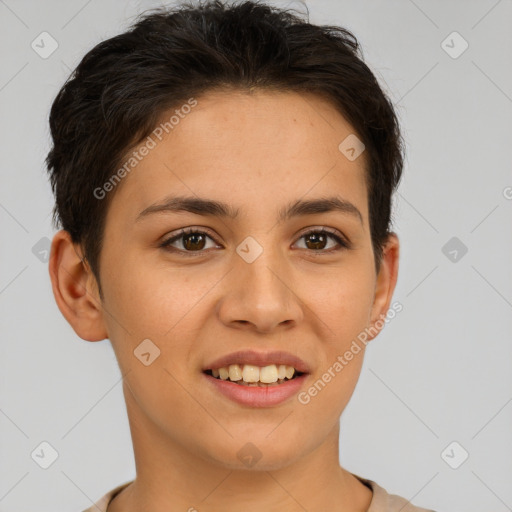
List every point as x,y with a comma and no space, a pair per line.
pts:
255,151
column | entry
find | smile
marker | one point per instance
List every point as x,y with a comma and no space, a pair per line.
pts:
252,375
256,393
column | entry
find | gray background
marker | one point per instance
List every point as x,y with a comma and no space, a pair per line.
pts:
438,373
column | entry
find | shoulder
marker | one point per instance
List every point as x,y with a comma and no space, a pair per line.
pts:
102,504
382,501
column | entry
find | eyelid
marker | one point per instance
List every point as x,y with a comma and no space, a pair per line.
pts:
324,229
343,242
186,231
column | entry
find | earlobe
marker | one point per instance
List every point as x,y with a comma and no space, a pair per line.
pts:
75,289
385,284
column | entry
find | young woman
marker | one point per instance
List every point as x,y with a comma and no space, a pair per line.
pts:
223,179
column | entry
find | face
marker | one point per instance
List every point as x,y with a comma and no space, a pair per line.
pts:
259,280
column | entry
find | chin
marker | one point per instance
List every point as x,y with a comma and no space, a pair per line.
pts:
255,455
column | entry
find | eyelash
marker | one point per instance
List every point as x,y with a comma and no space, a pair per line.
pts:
166,244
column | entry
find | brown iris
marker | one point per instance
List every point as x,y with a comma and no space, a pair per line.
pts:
319,240
194,241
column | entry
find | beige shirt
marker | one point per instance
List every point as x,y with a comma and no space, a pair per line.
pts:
381,501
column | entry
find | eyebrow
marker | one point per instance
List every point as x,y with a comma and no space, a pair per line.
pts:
209,207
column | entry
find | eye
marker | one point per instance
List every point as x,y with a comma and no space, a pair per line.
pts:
316,240
191,240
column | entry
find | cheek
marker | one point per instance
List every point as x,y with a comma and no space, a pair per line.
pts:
158,303
344,304
151,299
152,303
343,301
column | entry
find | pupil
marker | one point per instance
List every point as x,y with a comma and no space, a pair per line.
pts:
320,240
194,237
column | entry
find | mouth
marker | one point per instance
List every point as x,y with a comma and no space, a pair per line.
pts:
255,376
257,379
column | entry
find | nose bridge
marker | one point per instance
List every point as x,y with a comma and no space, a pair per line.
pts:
261,267
260,291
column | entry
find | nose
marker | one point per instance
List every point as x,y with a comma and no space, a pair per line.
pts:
260,296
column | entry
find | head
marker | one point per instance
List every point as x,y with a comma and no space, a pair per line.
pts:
255,108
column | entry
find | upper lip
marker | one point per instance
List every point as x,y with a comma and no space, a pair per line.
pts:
259,359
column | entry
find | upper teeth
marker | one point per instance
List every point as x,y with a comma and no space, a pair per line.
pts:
251,373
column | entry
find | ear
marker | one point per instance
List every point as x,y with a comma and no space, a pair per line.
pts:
385,284
75,289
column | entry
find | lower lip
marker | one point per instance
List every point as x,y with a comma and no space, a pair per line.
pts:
255,396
